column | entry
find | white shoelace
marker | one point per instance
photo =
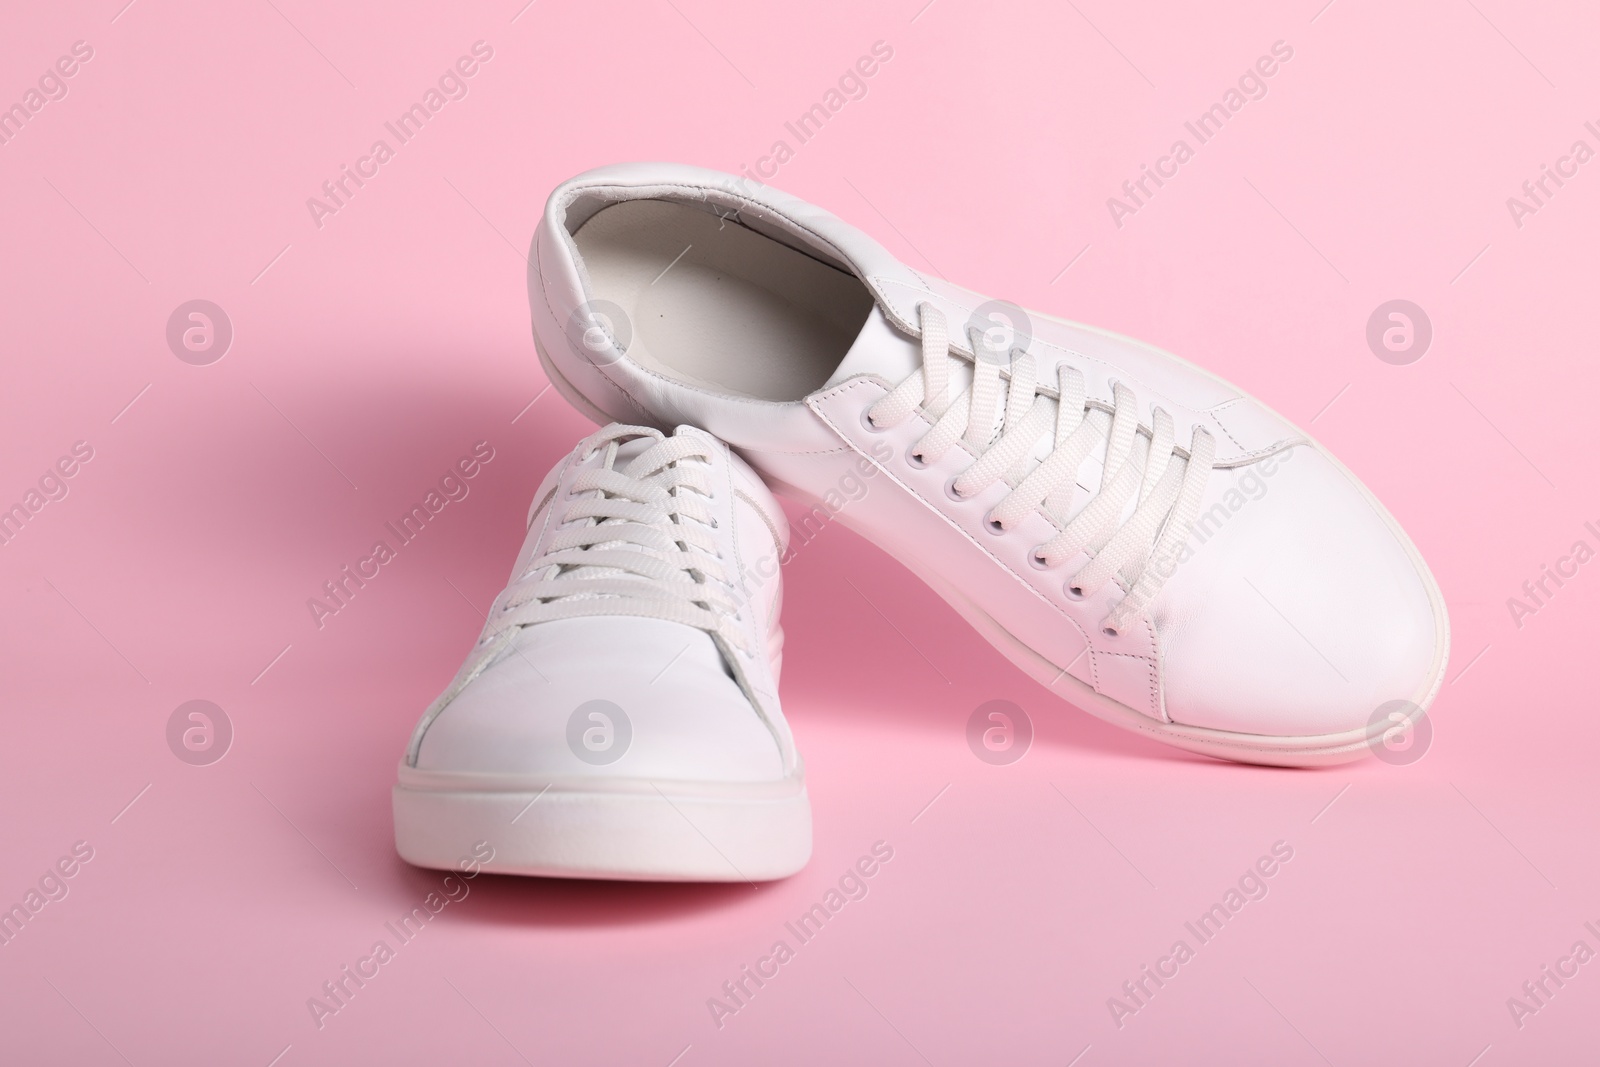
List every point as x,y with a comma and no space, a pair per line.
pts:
635,541
1142,551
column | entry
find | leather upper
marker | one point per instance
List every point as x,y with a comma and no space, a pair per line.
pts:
1290,553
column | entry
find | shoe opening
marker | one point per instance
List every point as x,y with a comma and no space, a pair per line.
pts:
713,302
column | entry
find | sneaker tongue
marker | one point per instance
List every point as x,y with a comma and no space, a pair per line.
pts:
879,349
630,449
627,451
882,350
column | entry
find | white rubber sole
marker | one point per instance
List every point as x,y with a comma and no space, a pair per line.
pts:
622,829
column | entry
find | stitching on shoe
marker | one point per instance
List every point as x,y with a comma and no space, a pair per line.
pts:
1216,417
1150,671
1154,661
1279,445
808,452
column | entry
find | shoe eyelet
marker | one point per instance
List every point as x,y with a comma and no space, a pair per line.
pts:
866,421
1073,591
1036,561
1110,631
914,460
993,525
950,491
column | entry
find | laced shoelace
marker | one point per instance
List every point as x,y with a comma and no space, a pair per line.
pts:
1141,551
633,541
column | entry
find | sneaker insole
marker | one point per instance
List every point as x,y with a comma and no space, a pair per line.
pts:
718,305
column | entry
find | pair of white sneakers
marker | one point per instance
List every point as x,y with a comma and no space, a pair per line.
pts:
1145,539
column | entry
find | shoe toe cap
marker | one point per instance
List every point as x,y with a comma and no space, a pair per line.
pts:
1302,609
605,698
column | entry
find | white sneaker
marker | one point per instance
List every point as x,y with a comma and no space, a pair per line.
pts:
1154,544
619,716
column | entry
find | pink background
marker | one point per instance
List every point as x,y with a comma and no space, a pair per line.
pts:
371,352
